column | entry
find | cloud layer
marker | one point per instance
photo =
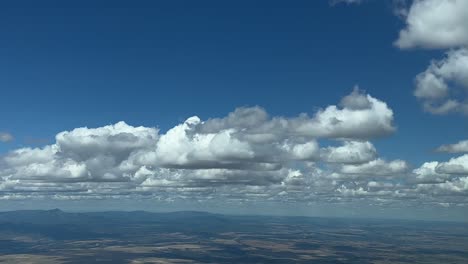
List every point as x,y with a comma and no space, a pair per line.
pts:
245,156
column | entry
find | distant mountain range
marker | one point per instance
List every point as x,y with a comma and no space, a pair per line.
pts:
57,216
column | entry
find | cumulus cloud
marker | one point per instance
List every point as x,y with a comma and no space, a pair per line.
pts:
249,139
452,191
439,182
458,165
6,137
168,177
459,147
255,154
439,24
182,147
443,86
428,173
377,167
245,143
247,155
435,24
350,152
358,116
118,140
81,155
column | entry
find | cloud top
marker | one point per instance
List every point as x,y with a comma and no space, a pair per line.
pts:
435,24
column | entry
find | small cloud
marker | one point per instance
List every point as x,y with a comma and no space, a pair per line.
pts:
400,8
348,2
442,86
6,137
459,147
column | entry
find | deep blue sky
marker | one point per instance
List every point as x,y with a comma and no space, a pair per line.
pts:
65,65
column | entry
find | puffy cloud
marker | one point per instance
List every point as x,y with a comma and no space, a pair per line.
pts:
443,86
117,140
457,165
182,147
25,156
244,156
247,144
168,177
81,155
350,152
439,183
294,178
459,147
450,190
246,147
6,137
428,173
42,164
458,186
377,167
359,116
249,139
435,24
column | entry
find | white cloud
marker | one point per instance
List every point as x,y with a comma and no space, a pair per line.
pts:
428,173
335,2
245,156
443,87
435,24
168,177
458,165
117,140
441,172
459,147
301,151
6,137
439,24
450,190
350,152
81,155
25,156
181,146
377,167
246,143
249,138
359,116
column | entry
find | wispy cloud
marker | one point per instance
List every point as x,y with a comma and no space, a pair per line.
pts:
6,137
335,2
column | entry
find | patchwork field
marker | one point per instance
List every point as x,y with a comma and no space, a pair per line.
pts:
192,237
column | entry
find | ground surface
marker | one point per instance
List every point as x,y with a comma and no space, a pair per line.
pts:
192,237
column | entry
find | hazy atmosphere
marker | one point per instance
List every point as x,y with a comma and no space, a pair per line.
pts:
318,108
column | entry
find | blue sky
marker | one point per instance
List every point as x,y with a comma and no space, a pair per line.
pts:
154,64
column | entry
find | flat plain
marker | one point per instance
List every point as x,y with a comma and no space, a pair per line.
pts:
141,237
